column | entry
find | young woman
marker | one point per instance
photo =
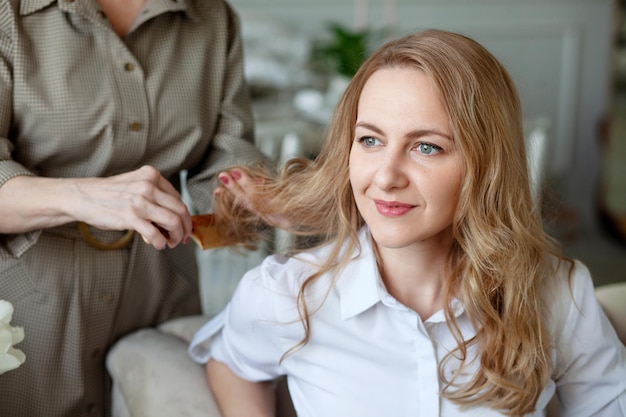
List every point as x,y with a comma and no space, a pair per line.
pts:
434,290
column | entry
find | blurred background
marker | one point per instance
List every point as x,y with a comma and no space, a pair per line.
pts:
567,58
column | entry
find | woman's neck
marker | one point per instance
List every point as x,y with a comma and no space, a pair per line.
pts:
415,277
121,13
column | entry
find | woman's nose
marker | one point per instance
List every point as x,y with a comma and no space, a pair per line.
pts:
391,171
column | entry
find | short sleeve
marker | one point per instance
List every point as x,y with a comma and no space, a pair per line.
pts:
246,335
590,368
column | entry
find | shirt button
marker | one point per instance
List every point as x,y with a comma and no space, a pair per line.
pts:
102,14
129,66
135,126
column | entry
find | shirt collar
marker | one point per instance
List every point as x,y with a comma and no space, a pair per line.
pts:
358,285
456,307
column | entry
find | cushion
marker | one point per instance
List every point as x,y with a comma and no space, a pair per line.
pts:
184,327
153,376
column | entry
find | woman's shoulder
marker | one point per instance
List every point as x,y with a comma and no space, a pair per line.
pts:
292,271
571,277
565,280
569,296
288,273
269,293
281,278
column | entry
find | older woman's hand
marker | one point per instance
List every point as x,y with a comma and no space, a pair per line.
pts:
141,200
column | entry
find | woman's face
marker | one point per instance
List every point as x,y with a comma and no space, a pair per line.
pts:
405,169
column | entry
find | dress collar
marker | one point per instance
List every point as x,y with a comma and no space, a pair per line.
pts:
31,6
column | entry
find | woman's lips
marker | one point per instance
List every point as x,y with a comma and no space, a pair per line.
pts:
392,208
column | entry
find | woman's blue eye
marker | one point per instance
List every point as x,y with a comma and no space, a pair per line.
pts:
428,148
369,141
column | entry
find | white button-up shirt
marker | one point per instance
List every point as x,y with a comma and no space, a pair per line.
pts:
369,355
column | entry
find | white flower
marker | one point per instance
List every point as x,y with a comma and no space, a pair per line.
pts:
10,358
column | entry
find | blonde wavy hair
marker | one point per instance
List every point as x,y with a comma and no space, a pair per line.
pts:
500,254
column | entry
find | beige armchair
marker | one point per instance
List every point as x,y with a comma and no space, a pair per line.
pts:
154,377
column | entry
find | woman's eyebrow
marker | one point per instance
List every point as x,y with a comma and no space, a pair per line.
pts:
428,132
369,127
414,134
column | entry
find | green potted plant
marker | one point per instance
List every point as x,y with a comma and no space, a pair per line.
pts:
342,52
337,56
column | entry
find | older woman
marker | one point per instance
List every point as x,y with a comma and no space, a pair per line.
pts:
102,104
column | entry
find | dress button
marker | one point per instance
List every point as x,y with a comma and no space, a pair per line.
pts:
129,66
135,126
